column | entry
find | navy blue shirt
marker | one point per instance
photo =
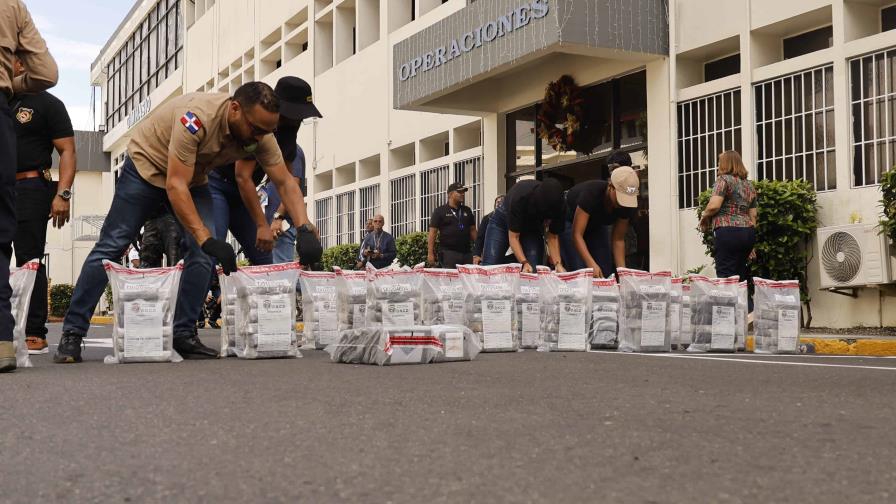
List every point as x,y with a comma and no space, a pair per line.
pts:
298,170
385,243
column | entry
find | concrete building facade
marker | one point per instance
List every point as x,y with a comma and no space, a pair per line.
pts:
419,93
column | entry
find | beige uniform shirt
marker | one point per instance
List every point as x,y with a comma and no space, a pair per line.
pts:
19,37
194,128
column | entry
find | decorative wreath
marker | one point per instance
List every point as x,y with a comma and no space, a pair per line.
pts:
561,118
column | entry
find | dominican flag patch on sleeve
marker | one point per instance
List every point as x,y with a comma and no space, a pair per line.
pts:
191,122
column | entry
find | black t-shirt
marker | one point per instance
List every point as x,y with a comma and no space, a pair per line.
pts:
38,119
454,227
589,196
286,140
522,212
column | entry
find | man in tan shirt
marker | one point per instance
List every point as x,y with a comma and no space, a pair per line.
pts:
170,155
18,38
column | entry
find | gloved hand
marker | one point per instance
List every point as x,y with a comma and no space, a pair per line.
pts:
308,246
223,252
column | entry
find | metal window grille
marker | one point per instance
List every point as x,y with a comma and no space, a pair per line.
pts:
345,217
369,206
469,173
795,128
323,213
707,127
873,98
403,205
433,184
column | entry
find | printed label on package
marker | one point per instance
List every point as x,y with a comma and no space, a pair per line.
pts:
531,317
496,324
788,330
530,338
326,315
454,345
572,319
653,323
275,323
398,314
359,316
453,312
143,329
722,328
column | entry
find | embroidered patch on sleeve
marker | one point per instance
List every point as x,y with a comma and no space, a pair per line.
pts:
191,122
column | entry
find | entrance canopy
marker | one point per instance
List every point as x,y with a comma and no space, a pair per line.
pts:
459,63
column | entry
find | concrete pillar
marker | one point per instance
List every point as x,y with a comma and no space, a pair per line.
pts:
663,210
494,159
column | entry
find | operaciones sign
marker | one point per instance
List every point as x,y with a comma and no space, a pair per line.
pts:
483,34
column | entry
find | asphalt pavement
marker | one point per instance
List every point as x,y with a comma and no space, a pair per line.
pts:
523,427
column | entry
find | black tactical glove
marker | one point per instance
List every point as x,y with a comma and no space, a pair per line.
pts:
308,246
223,252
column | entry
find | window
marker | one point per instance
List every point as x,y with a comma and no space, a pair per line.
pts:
403,206
369,206
888,18
808,42
707,127
723,67
345,218
433,186
145,60
873,99
795,128
323,212
469,173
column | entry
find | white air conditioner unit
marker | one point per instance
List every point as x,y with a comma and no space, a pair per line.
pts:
853,255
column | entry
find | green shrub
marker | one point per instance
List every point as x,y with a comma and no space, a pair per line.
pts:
60,299
888,204
787,219
411,248
345,256
108,295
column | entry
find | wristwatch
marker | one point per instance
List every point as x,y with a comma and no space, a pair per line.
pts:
278,215
66,194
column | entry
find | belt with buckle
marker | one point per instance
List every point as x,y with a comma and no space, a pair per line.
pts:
31,174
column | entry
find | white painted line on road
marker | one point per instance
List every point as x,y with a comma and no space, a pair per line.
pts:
752,361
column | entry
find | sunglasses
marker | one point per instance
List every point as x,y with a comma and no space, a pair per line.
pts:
256,130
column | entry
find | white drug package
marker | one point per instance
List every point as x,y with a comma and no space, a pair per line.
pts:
393,296
266,311
566,310
490,305
714,314
644,324
675,311
777,320
443,297
22,282
740,329
604,333
528,309
351,296
230,338
686,334
143,302
319,308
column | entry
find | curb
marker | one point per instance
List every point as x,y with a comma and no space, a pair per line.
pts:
865,347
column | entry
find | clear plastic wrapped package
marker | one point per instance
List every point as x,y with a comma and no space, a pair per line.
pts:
566,310
740,330
644,324
266,311
22,282
393,296
489,305
777,316
458,343
351,296
675,311
713,314
230,338
686,333
604,331
319,308
391,346
443,297
143,302
528,309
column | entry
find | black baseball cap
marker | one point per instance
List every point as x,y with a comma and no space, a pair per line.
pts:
619,158
295,98
457,186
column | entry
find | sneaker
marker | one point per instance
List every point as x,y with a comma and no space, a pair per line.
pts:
7,356
69,349
200,324
37,345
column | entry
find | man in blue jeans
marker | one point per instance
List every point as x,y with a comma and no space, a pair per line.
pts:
170,155
285,241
